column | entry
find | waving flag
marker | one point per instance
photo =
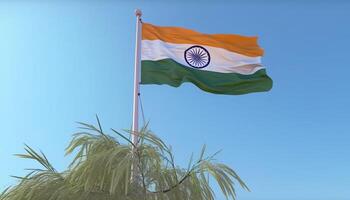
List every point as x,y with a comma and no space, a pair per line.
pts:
216,63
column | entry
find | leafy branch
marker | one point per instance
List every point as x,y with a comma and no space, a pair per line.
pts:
102,169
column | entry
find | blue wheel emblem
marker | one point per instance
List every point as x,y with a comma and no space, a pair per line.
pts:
197,56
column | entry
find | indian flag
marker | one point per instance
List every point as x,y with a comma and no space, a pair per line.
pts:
216,63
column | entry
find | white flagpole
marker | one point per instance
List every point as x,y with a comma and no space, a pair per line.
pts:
137,66
135,112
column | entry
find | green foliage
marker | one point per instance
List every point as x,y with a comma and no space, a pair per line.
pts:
105,169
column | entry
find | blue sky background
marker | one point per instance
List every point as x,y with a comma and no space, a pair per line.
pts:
65,61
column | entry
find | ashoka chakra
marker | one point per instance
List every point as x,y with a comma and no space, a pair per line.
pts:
197,57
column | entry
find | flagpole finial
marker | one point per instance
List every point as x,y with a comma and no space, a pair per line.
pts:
138,12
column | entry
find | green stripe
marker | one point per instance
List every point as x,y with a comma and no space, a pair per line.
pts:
169,72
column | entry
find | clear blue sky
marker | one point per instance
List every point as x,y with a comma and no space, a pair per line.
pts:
65,61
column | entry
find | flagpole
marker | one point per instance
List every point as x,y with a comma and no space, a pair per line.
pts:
135,111
137,66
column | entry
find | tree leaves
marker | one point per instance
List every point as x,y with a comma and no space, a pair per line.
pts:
102,165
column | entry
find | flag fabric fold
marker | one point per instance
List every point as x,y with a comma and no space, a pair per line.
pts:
216,63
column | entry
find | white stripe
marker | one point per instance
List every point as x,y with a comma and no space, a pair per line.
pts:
221,60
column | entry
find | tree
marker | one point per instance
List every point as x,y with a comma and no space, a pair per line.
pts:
102,169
